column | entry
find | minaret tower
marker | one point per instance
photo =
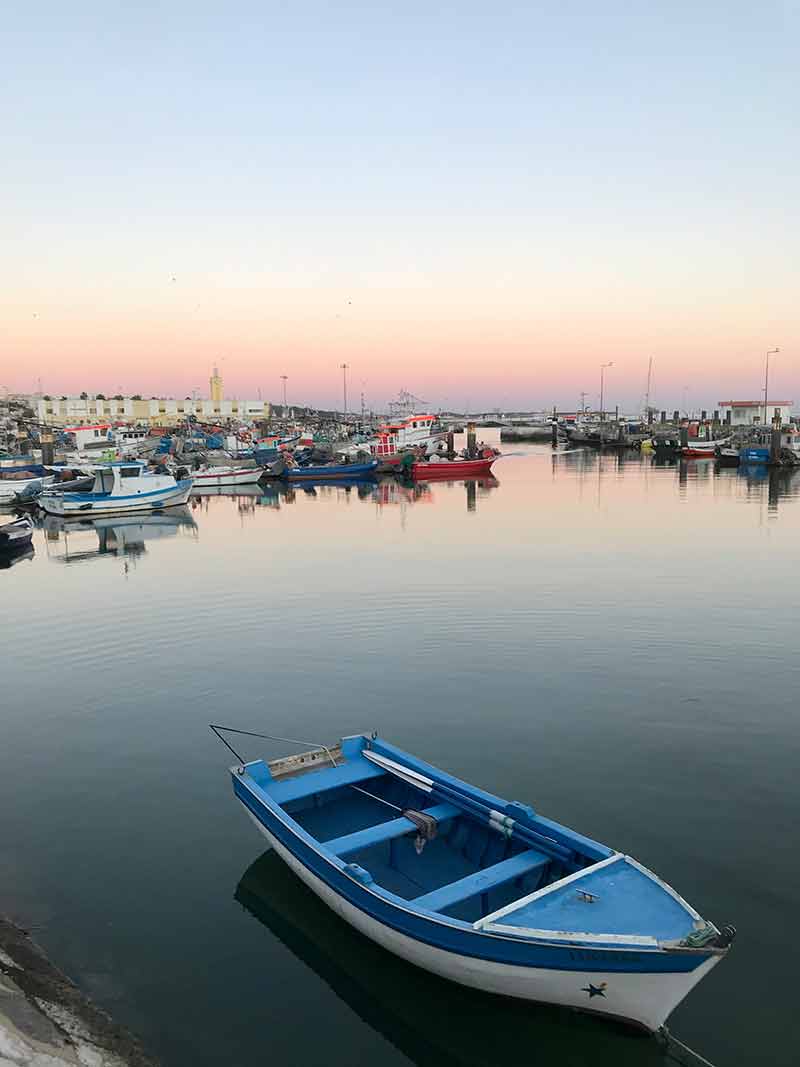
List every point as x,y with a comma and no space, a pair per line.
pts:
215,384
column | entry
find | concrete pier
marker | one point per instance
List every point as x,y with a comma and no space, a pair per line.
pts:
45,1021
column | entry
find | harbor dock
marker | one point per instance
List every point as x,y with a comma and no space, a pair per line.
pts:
46,1021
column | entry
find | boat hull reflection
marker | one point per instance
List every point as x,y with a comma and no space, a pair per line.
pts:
432,1021
117,535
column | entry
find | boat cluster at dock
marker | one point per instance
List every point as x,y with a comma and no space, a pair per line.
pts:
141,472
775,445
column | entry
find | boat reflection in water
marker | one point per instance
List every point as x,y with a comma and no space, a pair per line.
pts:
10,557
121,536
435,1023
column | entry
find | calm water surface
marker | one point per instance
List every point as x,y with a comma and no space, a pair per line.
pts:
610,640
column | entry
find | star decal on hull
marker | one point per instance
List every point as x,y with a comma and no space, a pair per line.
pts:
595,990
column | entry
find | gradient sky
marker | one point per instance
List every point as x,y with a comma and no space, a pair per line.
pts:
480,203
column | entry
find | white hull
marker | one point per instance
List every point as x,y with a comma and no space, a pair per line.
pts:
9,487
210,479
116,506
644,999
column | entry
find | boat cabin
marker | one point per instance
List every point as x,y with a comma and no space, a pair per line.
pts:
89,438
127,478
129,438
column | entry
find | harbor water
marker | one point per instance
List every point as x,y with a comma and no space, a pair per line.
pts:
609,638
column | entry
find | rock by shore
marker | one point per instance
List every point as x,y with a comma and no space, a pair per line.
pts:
45,1020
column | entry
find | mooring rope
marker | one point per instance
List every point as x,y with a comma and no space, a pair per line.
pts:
680,1053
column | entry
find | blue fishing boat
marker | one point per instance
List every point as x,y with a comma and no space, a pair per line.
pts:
476,889
327,471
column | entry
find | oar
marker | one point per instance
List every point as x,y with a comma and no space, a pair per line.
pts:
497,820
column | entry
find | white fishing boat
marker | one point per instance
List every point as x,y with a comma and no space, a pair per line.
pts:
416,430
121,487
217,476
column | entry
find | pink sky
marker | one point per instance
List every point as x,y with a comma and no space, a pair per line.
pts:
449,347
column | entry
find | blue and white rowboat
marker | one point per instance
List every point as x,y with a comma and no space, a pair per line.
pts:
119,488
476,889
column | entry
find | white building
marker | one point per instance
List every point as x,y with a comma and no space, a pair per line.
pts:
156,411
751,412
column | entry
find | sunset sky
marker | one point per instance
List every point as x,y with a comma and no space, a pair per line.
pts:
478,202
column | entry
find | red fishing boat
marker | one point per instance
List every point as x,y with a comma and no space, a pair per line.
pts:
456,468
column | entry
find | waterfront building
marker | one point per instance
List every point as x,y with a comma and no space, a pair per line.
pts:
751,412
154,411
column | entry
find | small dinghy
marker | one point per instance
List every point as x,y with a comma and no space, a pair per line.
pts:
331,470
18,485
703,449
216,476
16,535
456,468
484,892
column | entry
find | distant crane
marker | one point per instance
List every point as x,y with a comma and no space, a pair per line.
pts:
405,404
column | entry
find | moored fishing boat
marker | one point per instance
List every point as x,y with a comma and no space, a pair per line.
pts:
331,470
121,487
476,889
456,468
697,449
215,476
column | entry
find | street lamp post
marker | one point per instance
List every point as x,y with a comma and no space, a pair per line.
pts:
284,379
771,352
602,385
344,388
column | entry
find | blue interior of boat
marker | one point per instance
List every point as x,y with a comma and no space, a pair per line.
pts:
625,900
466,871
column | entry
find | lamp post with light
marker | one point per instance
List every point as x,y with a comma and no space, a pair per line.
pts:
344,388
771,352
603,367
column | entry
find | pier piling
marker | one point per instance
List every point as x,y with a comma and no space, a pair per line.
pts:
775,444
471,446
48,449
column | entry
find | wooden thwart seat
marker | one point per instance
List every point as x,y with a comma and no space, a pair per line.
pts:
482,881
322,780
386,831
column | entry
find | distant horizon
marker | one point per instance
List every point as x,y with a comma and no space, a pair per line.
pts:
608,405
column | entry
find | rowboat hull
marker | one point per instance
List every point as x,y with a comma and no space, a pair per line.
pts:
466,468
224,476
632,979
644,1000
80,505
704,450
344,470
10,488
